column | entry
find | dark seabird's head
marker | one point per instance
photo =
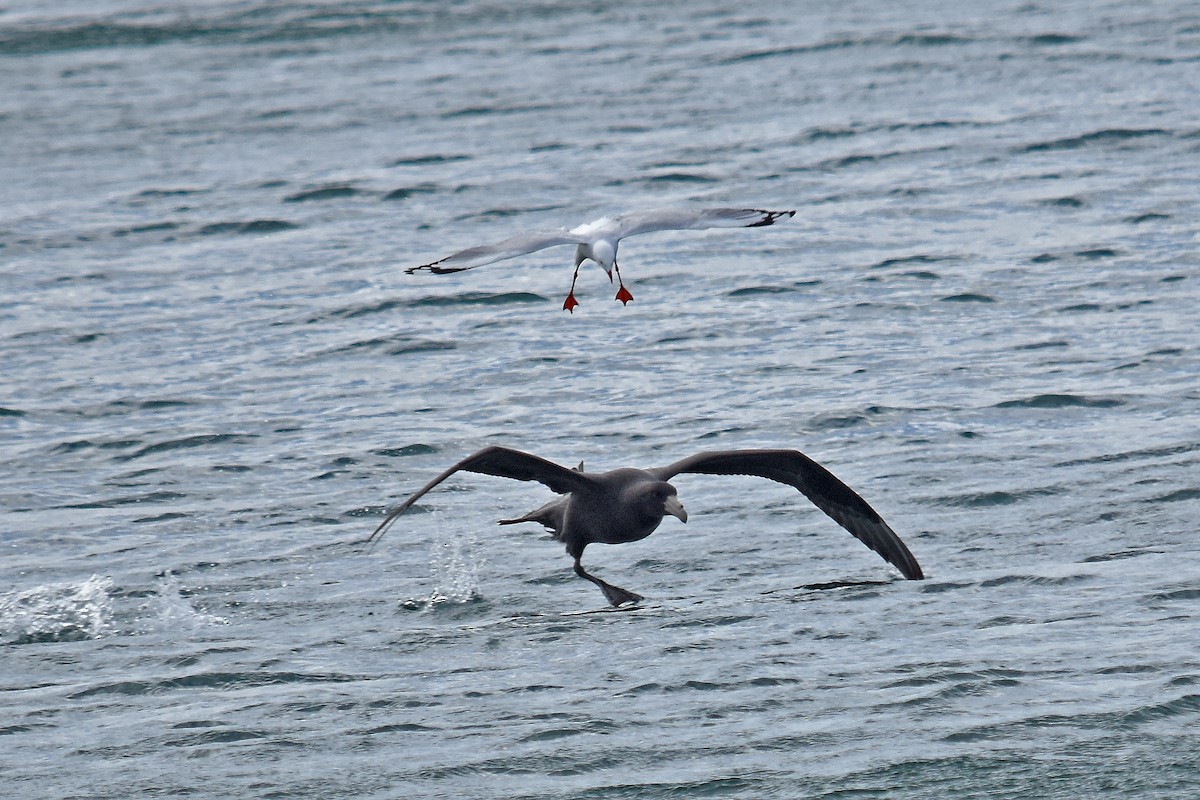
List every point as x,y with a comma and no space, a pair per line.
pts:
656,499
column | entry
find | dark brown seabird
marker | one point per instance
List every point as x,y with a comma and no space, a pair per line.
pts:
628,504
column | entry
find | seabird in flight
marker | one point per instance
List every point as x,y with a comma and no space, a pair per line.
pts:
598,240
626,505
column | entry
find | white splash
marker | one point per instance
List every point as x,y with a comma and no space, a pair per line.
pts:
173,610
57,612
455,569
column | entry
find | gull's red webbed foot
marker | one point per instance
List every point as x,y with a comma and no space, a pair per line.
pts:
570,303
622,294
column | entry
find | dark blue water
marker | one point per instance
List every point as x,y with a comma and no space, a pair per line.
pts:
217,377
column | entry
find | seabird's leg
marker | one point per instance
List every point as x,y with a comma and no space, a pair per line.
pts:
615,594
570,303
622,294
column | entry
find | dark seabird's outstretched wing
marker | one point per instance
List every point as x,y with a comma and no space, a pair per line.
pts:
498,251
818,484
502,462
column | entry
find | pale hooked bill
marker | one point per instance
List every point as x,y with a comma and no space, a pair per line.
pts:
598,240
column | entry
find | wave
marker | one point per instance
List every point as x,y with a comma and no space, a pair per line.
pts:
967,297
1104,136
1045,401
254,226
283,24
323,193
478,299
188,442
210,680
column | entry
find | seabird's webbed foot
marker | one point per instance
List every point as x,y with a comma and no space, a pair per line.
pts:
622,293
614,594
570,303
618,596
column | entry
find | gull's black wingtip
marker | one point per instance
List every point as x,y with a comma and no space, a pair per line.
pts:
770,217
435,269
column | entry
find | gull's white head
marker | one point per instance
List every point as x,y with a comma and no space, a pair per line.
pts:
604,253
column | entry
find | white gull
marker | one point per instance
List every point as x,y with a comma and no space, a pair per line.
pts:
598,240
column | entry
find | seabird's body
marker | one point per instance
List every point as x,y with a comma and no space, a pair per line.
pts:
626,505
598,240
587,516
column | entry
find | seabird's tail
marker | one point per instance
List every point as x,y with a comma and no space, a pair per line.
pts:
549,515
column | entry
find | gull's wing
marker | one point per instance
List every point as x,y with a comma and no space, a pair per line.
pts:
698,219
509,248
818,484
502,462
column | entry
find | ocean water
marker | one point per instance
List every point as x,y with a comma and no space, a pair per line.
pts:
217,377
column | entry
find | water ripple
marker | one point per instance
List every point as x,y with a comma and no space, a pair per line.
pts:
218,378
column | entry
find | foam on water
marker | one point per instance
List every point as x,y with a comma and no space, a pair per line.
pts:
58,612
168,608
96,608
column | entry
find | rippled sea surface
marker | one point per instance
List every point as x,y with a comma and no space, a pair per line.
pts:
217,377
